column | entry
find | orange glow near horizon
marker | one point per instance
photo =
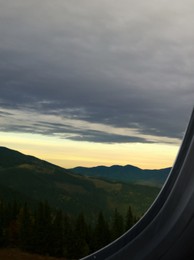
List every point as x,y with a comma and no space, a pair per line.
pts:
69,154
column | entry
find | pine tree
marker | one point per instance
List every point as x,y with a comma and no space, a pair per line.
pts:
68,247
129,219
101,233
42,229
25,228
81,247
117,225
57,235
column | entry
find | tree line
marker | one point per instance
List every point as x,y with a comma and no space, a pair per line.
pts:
46,231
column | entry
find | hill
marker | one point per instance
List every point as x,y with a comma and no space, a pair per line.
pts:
127,174
26,178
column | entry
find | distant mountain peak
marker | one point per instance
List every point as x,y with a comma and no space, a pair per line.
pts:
125,174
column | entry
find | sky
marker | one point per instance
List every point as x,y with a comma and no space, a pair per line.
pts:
96,82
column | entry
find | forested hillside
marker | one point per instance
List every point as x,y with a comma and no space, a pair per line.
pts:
27,178
48,210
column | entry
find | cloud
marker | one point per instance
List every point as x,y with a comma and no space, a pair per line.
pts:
123,64
73,128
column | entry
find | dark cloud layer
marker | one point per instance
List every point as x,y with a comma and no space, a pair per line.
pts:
123,64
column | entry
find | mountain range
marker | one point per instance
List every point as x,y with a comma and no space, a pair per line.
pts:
88,190
126,174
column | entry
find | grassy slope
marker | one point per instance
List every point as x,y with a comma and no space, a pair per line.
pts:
120,195
76,194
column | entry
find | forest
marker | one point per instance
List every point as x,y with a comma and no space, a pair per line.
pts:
47,231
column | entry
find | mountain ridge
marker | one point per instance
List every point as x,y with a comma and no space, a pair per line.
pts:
127,174
28,178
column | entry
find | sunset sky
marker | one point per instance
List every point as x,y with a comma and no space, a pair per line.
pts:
96,82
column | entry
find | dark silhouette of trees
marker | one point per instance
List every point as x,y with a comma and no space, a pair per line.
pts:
81,247
57,234
25,228
102,234
52,232
130,219
117,228
42,229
